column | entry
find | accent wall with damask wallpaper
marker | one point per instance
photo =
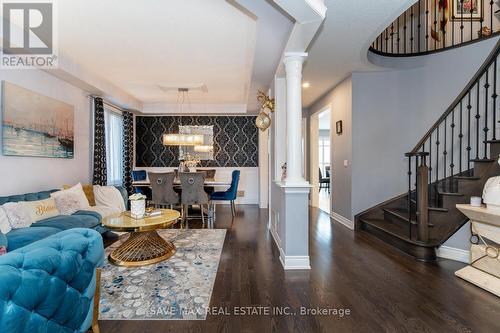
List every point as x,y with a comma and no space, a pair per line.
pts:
235,140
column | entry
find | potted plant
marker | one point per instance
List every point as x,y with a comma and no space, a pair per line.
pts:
137,204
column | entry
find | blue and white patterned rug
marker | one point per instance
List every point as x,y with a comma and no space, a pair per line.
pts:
174,289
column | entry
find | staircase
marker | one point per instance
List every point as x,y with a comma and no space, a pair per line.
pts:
448,165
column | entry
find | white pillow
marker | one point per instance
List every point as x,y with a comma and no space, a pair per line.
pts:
18,216
41,209
104,211
71,200
4,222
109,196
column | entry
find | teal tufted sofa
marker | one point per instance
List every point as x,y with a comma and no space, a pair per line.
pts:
48,286
18,238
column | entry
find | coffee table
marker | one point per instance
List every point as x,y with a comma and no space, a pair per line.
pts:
144,246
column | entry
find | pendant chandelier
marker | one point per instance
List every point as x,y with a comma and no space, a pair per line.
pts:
178,139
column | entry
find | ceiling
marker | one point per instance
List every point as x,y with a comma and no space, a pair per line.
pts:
150,49
341,45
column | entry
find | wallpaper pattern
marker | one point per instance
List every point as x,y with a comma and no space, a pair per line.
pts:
235,140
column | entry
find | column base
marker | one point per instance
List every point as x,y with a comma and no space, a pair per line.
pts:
290,263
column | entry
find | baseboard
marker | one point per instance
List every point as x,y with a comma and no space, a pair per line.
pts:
294,262
452,253
342,220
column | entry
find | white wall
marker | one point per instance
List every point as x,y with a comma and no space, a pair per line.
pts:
29,174
392,110
339,100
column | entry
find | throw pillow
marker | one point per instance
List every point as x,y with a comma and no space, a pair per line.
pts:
4,222
109,196
41,209
17,215
89,192
104,211
68,203
71,200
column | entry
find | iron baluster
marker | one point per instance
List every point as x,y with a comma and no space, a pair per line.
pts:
494,96
452,153
486,129
469,148
478,116
460,138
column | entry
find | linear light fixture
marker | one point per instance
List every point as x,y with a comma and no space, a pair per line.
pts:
182,139
203,148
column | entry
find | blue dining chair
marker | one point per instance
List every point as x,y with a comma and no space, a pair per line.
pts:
138,175
230,194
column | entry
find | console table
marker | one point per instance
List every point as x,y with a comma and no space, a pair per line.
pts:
484,267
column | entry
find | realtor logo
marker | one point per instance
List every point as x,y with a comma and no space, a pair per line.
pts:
28,35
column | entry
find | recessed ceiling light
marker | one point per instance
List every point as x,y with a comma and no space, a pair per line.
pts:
305,85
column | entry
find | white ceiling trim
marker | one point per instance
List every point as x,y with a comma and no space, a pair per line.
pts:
194,109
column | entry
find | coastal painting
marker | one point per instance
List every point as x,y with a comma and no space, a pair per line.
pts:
35,125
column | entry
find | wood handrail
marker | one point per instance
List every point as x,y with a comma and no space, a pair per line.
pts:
484,67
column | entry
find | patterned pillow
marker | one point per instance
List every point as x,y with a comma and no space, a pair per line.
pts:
71,200
4,222
18,216
89,192
68,203
41,209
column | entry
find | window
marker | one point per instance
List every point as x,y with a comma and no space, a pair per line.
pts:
324,154
114,146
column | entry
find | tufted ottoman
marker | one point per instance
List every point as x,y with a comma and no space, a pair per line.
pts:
48,286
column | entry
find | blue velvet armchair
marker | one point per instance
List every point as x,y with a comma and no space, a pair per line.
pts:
48,286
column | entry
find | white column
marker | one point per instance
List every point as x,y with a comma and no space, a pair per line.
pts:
293,68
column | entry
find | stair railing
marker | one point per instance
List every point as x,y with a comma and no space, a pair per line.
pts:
450,147
433,25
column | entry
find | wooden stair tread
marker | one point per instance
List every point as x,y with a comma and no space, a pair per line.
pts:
467,178
492,141
438,209
483,160
399,231
398,212
453,194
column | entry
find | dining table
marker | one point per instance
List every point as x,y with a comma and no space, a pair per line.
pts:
209,182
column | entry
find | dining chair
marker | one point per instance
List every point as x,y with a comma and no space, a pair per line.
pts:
210,174
138,175
231,193
193,192
323,181
162,185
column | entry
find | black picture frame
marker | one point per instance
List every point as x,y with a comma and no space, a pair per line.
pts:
338,127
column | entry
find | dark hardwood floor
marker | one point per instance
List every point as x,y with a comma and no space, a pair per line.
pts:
384,289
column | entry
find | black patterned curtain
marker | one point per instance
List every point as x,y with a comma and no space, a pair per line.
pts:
100,175
128,150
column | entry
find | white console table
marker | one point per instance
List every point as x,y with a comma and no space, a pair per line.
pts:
484,265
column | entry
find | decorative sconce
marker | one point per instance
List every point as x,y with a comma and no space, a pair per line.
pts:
263,121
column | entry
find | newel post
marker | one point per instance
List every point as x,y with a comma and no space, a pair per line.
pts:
423,200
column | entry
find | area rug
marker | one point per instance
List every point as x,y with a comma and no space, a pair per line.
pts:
175,289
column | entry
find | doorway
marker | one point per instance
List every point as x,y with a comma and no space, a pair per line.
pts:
320,166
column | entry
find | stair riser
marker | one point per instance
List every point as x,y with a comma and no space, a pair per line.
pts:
422,253
485,169
494,150
394,219
442,227
449,201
